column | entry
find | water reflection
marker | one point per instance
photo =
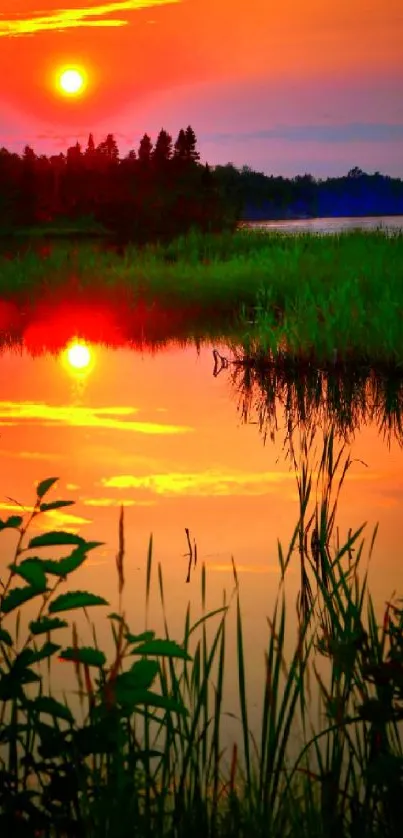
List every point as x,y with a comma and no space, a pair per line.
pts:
344,400
156,432
79,357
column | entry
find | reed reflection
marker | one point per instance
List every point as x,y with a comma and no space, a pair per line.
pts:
320,412
345,399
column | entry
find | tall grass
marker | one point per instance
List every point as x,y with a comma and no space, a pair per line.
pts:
323,297
148,757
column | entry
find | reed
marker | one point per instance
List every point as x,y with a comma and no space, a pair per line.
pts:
147,758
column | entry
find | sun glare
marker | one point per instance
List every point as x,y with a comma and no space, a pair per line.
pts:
78,356
71,81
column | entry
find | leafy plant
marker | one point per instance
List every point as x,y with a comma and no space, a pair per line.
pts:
46,781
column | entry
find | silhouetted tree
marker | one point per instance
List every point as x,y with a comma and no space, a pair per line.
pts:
163,191
162,152
180,147
355,172
109,148
27,209
90,150
145,149
191,142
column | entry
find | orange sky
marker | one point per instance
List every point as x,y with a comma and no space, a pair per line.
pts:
282,87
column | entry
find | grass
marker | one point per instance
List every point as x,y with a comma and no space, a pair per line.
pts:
319,299
85,225
150,741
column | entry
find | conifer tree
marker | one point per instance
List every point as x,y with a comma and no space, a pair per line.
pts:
145,149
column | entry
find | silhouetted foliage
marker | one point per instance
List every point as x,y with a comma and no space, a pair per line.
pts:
162,190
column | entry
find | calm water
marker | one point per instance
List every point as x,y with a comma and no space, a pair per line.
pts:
387,223
160,434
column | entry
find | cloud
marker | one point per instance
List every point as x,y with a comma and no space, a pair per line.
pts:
16,508
31,455
58,518
48,520
116,502
84,417
351,132
207,483
62,19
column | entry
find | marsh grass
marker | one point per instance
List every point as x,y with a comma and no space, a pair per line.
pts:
316,297
148,758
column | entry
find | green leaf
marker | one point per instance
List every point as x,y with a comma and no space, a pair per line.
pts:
5,637
17,597
84,654
11,683
55,504
75,599
142,673
10,688
47,650
55,538
117,617
54,743
139,638
29,656
62,567
45,624
130,697
43,487
13,522
47,704
32,571
163,648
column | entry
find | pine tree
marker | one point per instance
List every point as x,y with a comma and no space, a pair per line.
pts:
191,142
163,148
109,149
145,148
90,150
180,147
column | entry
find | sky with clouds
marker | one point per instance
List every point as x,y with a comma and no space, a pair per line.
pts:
284,88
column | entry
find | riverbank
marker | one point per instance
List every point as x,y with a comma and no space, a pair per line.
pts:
320,298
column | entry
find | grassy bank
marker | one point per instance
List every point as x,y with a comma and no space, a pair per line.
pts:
147,758
322,298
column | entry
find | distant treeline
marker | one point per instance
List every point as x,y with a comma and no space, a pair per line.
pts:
357,193
162,189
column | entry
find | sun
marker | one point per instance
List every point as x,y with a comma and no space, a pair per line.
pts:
79,356
71,81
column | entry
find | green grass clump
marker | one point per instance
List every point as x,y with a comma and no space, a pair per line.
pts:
147,758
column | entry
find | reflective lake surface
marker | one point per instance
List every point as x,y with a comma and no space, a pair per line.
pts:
330,225
183,440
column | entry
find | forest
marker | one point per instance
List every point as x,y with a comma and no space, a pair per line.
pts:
161,189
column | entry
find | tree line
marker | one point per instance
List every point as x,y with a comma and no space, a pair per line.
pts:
263,196
162,189
159,189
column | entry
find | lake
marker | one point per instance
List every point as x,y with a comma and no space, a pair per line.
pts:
159,433
387,223
176,436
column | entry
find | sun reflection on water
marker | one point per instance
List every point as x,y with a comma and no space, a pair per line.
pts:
78,360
